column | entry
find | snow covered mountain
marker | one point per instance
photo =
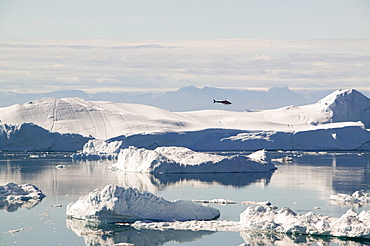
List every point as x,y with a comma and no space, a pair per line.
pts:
334,118
187,98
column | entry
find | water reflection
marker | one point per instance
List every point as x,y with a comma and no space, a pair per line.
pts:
155,182
334,172
14,205
345,172
106,234
110,234
257,239
236,180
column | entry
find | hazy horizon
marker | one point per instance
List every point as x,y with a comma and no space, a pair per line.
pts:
144,45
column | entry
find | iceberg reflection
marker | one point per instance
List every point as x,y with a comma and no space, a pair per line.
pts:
111,234
157,181
14,205
257,239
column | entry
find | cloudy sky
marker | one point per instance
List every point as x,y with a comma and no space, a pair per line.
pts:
131,45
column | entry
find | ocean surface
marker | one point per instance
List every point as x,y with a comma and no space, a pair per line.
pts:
304,184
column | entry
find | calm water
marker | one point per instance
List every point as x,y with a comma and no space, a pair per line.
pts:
305,184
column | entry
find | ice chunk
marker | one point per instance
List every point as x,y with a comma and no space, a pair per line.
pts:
13,196
220,201
119,204
285,220
184,160
357,198
100,149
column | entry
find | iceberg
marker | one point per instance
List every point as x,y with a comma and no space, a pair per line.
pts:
340,121
96,149
14,196
115,204
31,137
285,221
357,198
265,218
184,160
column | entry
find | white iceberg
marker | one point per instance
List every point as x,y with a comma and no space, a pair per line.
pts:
115,204
266,219
14,196
337,122
99,149
184,160
357,198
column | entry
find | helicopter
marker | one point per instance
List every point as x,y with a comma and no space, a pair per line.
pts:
223,101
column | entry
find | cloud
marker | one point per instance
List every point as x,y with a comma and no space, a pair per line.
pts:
99,64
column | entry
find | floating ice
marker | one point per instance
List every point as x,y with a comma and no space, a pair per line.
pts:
357,198
184,160
118,204
220,201
13,196
265,203
267,219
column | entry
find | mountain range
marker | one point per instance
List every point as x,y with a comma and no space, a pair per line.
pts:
188,98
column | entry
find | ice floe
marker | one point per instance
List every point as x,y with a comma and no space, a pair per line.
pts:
14,196
220,201
118,204
265,203
358,198
184,160
267,219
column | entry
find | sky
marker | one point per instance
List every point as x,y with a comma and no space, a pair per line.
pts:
134,45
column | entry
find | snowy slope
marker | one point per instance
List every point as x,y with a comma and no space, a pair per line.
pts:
338,114
101,120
